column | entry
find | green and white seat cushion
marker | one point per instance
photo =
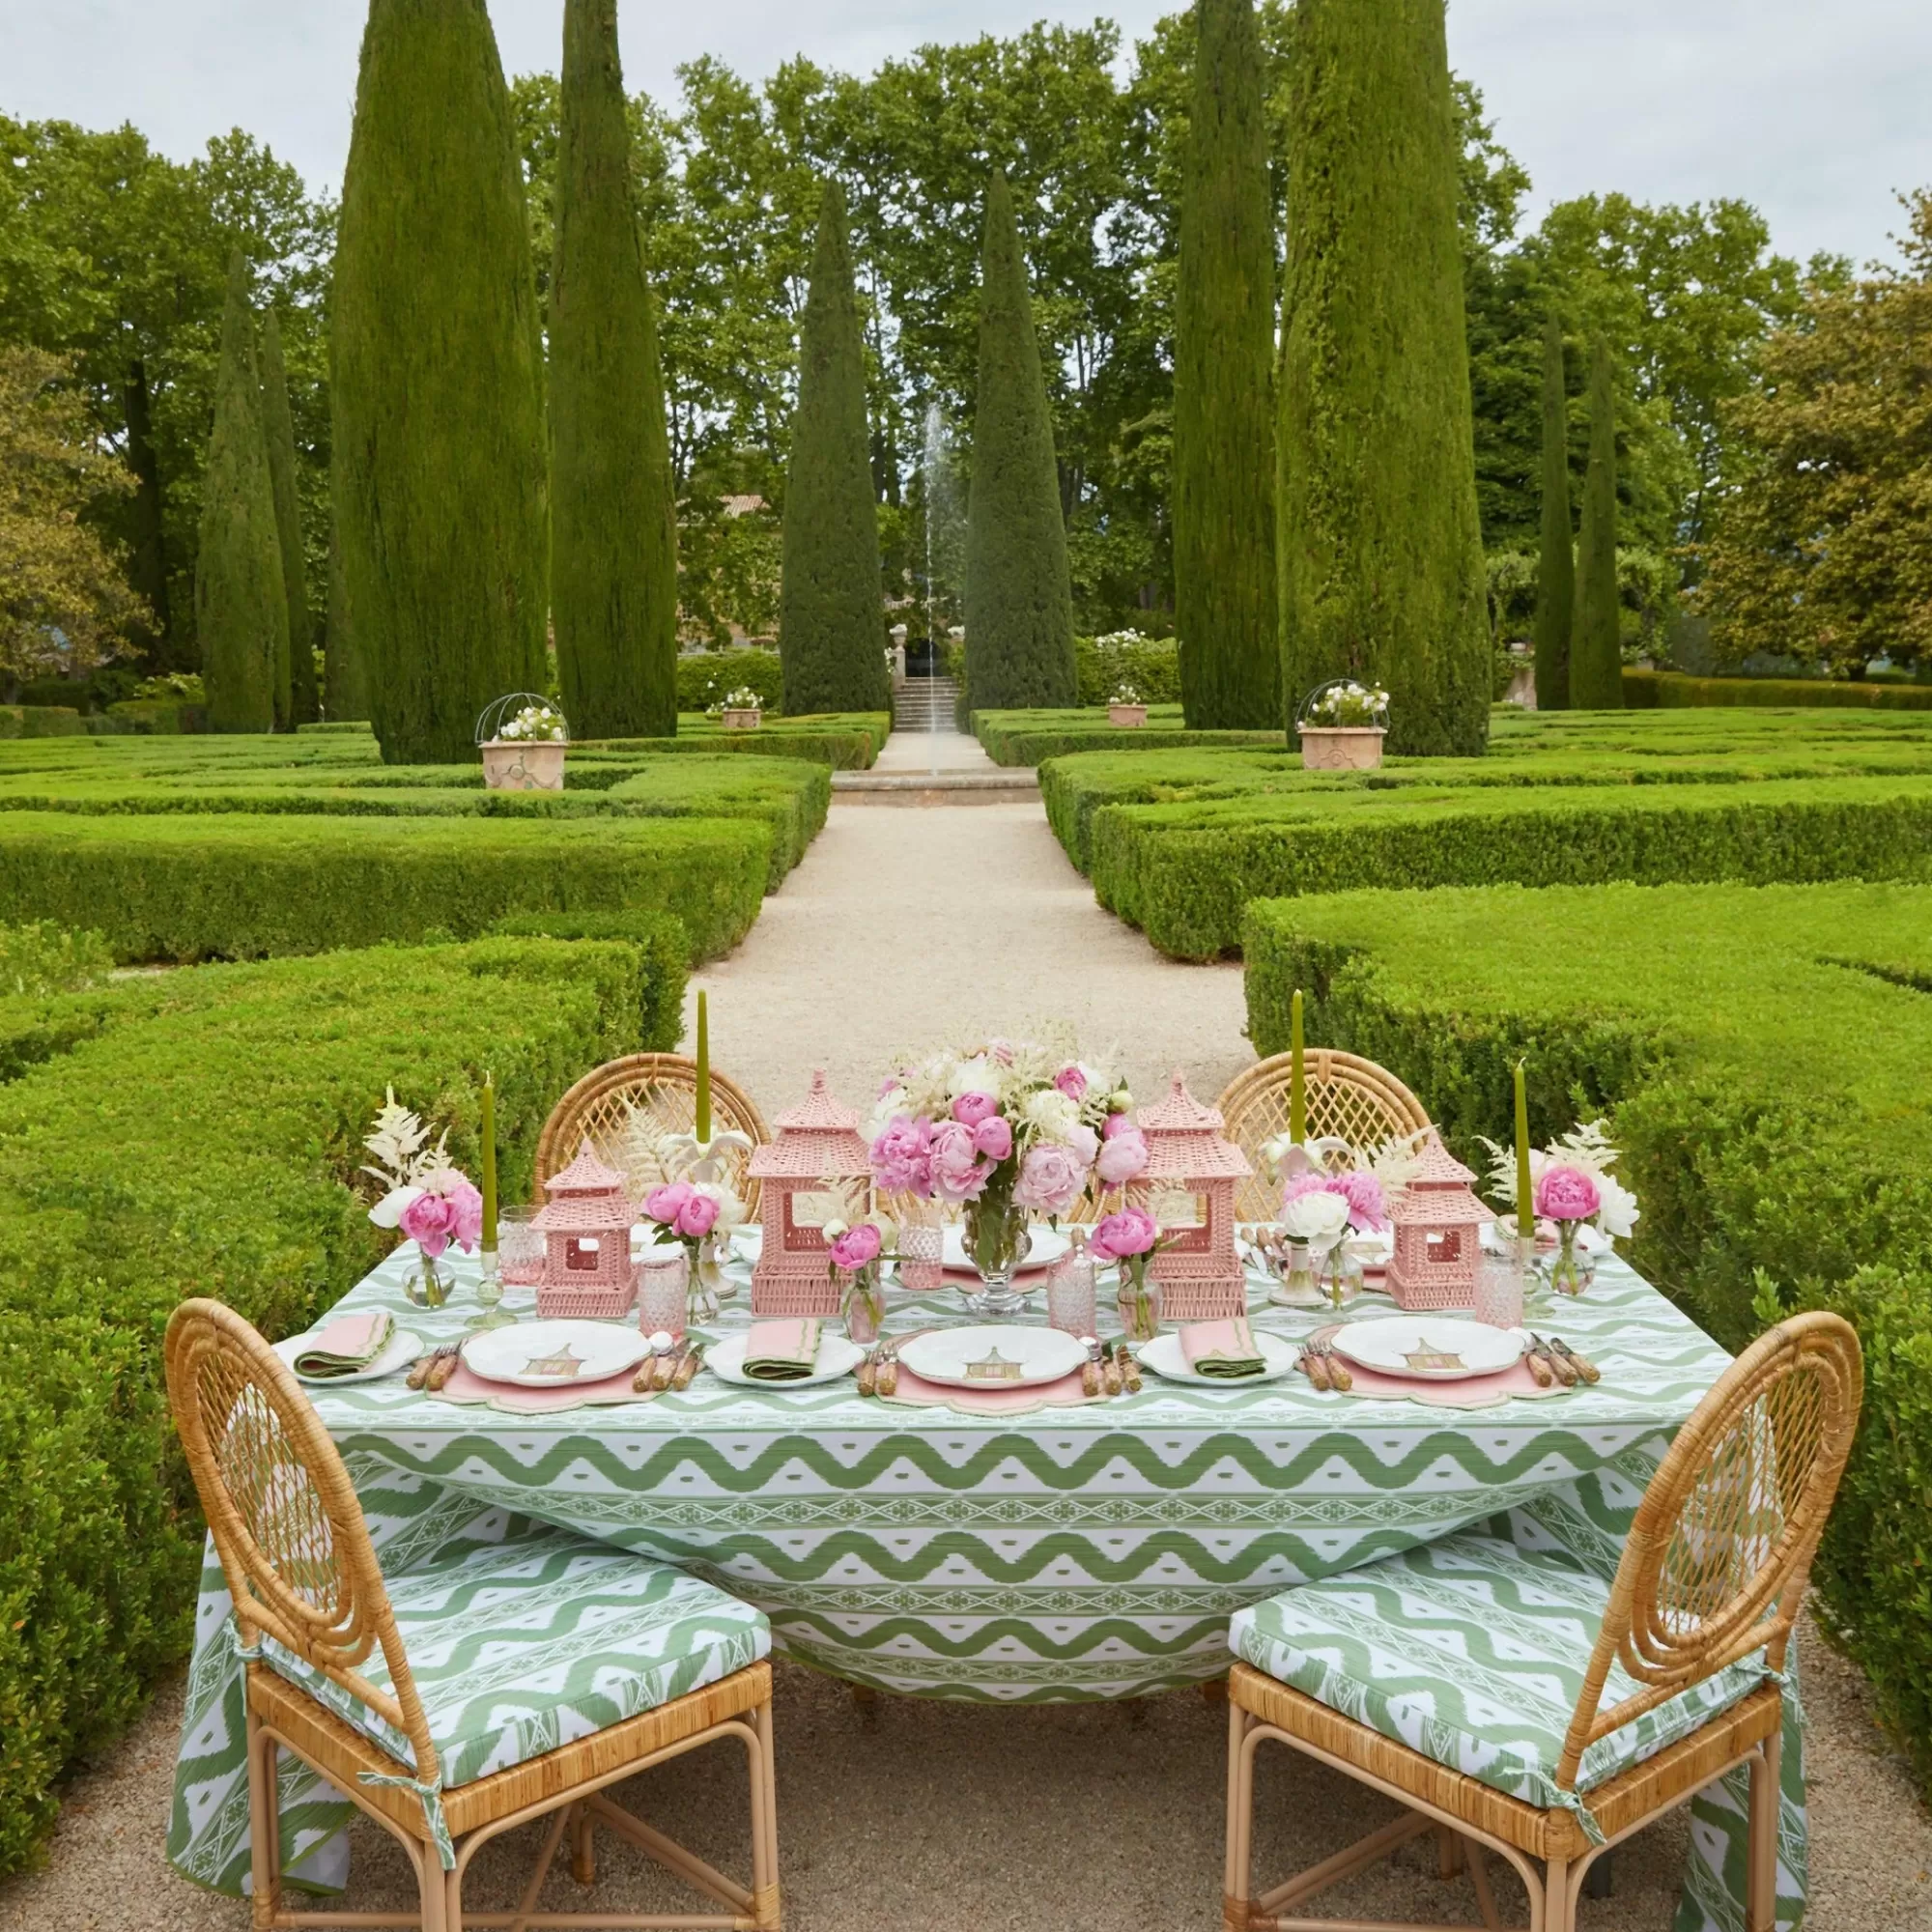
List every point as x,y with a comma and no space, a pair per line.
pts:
1472,1651
522,1646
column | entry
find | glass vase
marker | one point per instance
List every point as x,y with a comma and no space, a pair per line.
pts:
430,1283
1138,1304
997,1241
704,1282
864,1300
1569,1270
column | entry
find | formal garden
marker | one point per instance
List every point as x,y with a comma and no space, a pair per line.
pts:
547,1226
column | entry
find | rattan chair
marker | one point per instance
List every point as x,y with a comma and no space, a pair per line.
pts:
1348,1096
1681,1685
663,1087
450,1754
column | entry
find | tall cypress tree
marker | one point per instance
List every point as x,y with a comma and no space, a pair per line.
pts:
1380,548
613,541
832,617
1019,594
296,695
436,382
346,691
1596,650
1223,575
241,602
1556,564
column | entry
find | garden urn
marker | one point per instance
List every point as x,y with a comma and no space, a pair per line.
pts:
1340,748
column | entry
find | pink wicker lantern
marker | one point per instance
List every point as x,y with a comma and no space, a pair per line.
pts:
1199,1272
586,1230
1438,1225
817,1150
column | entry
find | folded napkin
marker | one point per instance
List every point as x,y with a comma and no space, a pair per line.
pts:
348,1344
1223,1350
781,1351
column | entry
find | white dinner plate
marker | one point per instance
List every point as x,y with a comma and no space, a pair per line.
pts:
836,1356
748,1239
554,1354
1393,1344
1049,1246
402,1348
1166,1358
985,1357
1588,1241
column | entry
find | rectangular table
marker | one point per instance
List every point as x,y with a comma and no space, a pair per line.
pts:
1085,1552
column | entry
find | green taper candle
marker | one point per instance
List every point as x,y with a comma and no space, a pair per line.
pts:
1525,1194
703,1073
490,1163
1298,1077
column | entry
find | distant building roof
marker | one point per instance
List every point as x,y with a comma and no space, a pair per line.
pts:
742,507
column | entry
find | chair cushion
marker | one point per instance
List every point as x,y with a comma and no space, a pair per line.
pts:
1472,1651
522,1646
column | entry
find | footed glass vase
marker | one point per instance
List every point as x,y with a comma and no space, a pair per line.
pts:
997,1243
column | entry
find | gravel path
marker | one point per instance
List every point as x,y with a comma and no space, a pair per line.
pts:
905,927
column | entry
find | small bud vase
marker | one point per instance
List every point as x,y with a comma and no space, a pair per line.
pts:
430,1284
1567,1271
864,1300
1139,1303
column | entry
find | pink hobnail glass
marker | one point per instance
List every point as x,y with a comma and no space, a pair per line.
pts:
662,1293
519,1249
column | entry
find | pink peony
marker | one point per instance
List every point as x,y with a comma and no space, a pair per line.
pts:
1050,1179
1117,1125
697,1216
469,1206
970,1108
1566,1194
903,1155
958,1173
1071,1082
856,1247
429,1221
1131,1232
1299,1184
1363,1193
993,1137
1124,1154
666,1203
1084,1141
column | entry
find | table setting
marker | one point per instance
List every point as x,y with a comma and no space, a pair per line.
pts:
973,1473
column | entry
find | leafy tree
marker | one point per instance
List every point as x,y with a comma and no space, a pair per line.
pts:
1821,550
832,629
65,603
1223,349
297,700
241,596
1019,599
613,598
1381,551
437,384
1556,576
1596,643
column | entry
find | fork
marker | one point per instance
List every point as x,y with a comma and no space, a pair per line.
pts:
424,1367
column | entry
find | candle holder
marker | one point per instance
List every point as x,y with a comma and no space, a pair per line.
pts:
490,1291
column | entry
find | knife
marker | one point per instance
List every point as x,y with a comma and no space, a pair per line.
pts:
1583,1364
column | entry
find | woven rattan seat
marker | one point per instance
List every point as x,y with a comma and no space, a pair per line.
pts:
1442,1677
539,1637
664,1088
1347,1097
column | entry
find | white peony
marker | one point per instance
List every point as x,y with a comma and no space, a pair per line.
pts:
1321,1219
978,1075
1618,1214
1051,1113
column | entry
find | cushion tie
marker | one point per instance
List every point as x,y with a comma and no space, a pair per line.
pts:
1568,1801
430,1794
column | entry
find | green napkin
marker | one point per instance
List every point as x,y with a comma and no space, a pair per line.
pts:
781,1351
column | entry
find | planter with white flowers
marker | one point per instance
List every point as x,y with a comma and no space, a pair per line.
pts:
1126,708
742,710
1342,727
523,739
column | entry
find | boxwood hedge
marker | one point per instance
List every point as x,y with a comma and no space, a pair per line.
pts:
198,1134
1674,688
1765,1057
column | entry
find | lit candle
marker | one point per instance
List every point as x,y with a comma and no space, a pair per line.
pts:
703,1073
1526,1198
1298,1077
489,1163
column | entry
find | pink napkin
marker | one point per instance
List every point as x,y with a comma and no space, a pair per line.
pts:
781,1351
1223,1350
351,1342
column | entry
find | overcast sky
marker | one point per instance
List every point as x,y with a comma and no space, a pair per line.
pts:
1817,110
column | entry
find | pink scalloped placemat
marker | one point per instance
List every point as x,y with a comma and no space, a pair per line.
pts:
514,1398
1513,1384
918,1393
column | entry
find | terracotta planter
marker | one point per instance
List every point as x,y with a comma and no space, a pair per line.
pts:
742,721
1340,748
509,765
1126,716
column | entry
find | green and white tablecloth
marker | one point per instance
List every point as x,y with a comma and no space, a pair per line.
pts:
1086,1552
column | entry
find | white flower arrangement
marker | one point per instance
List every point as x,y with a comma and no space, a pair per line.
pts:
1125,693
1019,1075
405,1161
534,724
1349,704
1584,1147
743,699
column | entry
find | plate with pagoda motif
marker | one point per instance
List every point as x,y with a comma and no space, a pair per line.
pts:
554,1355
1428,1347
1046,1246
997,1355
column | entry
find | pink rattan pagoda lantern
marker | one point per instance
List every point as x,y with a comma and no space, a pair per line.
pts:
1199,1272
586,1230
1439,1233
817,1152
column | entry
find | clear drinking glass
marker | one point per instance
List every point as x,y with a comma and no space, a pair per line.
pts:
661,1287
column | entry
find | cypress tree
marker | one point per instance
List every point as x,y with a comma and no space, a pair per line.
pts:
1596,652
241,603
346,691
614,539
1224,574
436,384
1556,564
296,695
832,618
1380,553
1019,594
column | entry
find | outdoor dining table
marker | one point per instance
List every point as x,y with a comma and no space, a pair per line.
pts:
1078,1552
